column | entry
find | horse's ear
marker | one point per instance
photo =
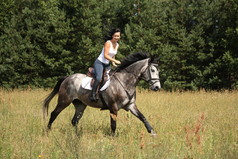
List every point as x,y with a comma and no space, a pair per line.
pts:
154,59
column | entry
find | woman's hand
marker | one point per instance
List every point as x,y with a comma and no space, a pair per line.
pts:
113,64
117,62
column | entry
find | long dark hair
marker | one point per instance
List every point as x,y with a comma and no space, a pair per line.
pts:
111,33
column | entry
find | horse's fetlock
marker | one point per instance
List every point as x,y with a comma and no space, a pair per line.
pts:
113,116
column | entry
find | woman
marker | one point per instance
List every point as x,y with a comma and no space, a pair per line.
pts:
102,62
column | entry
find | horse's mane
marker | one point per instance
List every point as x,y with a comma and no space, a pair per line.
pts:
132,58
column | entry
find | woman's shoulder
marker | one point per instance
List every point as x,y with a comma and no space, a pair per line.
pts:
107,43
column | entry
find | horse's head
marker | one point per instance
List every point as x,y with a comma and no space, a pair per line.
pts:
141,65
151,75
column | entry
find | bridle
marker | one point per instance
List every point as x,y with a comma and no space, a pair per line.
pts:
151,80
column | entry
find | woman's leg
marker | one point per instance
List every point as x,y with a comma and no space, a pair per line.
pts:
98,68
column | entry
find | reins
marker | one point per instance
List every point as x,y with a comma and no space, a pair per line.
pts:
128,94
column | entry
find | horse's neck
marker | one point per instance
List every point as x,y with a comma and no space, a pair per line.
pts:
137,68
129,78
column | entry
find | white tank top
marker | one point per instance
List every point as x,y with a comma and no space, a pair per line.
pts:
112,52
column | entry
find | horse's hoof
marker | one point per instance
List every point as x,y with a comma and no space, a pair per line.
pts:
153,134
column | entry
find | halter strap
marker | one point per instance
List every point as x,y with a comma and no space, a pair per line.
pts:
150,78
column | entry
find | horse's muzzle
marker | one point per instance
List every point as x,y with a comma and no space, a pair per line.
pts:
156,86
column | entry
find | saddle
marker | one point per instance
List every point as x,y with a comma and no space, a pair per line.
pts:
105,78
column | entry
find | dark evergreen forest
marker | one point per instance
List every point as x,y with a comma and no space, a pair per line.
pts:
196,41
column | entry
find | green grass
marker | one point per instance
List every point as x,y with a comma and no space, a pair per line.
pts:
196,125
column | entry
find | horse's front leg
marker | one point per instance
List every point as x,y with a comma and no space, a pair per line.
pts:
135,111
113,116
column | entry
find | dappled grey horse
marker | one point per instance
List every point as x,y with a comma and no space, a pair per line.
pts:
121,93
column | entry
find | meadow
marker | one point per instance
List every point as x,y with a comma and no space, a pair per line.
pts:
189,125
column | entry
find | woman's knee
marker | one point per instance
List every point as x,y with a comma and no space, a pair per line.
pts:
98,78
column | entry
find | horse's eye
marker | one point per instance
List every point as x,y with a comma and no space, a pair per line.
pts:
152,70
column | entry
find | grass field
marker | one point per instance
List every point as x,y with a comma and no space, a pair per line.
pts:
198,125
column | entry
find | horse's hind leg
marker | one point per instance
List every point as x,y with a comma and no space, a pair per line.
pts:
79,109
60,106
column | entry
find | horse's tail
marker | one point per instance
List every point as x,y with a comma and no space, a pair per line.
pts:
51,95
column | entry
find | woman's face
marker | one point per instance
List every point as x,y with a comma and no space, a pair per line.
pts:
116,36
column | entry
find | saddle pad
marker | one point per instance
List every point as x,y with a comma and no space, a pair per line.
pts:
86,84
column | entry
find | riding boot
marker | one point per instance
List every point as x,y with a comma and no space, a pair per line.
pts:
93,96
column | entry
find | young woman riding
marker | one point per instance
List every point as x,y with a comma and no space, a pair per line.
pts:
102,62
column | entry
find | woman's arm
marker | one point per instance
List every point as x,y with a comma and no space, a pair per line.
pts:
106,51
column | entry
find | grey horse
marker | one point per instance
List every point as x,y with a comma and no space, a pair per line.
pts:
121,93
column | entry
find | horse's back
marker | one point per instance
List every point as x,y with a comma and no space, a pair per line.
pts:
72,84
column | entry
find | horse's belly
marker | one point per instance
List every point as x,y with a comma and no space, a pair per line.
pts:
83,96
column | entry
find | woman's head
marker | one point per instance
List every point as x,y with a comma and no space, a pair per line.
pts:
114,34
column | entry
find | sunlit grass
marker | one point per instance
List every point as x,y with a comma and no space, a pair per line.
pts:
188,124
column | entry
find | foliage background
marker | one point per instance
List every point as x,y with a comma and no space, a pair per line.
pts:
196,41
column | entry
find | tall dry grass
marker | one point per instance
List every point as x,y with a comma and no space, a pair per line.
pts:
196,125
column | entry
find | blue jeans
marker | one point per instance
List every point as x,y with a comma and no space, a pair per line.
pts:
98,68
